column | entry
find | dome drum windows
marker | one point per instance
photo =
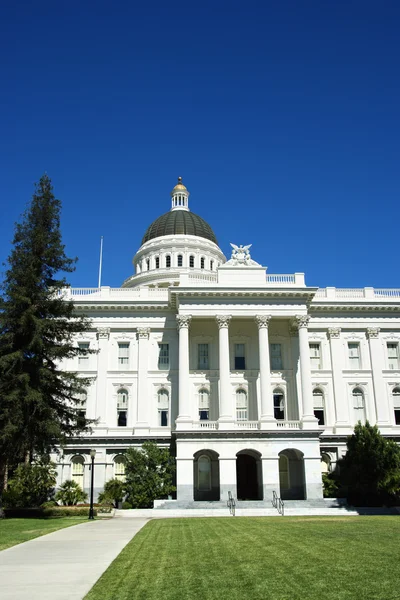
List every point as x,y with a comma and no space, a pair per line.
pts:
241,405
358,405
204,405
396,404
163,407
180,260
168,261
122,408
157,262
202,262
279,405
319,406
191,261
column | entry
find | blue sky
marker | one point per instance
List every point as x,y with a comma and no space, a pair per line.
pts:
281,117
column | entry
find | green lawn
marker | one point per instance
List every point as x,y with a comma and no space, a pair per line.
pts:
15,531
290,558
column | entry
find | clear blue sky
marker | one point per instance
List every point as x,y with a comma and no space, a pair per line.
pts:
282,117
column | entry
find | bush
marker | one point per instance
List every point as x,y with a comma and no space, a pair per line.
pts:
114,491
41,513
31,485
70,493
330,486
126,505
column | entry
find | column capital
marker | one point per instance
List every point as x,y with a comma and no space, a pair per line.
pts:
301,321
103,333
183,321
262,321
223,321
334,332
373,332
143,333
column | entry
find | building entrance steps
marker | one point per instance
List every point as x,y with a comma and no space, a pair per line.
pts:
65,564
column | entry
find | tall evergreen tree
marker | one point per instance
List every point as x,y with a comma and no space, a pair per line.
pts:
38,399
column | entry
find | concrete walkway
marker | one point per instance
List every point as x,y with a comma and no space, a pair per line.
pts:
65,564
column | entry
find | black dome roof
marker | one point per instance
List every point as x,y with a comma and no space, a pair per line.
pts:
179,222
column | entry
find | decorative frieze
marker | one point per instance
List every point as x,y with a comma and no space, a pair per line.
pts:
183,321
262,320
223,321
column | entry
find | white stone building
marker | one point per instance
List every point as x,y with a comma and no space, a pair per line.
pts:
253,379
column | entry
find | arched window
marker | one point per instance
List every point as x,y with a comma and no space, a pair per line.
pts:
119,468
204,405
180,260
122,407
163,406
78,469
148,264
279,405
396,404
157,262
191,261
241,405
358,405
168,261
211,265
204,473
202,262
325,463
319,405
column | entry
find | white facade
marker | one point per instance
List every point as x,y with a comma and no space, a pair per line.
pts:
254,380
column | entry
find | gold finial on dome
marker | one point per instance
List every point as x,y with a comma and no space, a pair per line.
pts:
179,186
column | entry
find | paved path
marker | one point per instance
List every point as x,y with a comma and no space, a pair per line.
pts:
65,564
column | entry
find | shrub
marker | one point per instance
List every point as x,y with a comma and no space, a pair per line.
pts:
126,505
330,486
70,493
31,485
54,512
114,491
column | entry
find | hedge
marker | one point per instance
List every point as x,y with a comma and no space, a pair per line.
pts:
40,513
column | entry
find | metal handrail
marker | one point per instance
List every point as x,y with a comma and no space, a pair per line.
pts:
278,503
231,503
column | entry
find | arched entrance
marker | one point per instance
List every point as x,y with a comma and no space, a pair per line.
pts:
206,475
249,475
291,475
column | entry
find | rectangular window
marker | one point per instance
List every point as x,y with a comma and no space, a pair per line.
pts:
315,356
163,356
123,354
240,362
276,357
83,359
393,355
354,355
203,357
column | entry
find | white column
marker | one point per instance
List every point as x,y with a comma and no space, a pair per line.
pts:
305,371
225,391
103,335
267,406
340,397
142,384
184,416
377,364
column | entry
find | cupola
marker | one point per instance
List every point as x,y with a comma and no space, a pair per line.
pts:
180,196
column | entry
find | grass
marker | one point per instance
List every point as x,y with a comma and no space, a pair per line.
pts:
16,531
293,558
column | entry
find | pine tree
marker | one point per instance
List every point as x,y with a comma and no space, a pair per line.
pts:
38,400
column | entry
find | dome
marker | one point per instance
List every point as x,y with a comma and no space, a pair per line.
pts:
179,222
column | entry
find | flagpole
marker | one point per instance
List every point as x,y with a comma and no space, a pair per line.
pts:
101,260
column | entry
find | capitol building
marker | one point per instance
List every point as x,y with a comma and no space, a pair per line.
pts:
253,379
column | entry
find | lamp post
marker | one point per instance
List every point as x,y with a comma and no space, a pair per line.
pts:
92,455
